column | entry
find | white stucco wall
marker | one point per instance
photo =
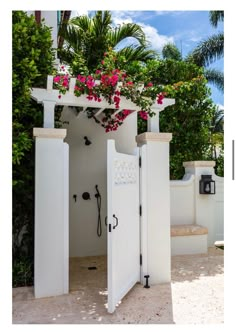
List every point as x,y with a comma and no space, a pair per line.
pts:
189,207
182,201
51,213
50,17
87,165
155,201
219,208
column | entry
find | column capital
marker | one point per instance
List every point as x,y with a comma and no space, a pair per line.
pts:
49,133
199,163
153,137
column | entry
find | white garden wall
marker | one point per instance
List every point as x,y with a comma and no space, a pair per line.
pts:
87,165
182,201
188,206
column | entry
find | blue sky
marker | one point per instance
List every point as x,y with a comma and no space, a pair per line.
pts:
184,28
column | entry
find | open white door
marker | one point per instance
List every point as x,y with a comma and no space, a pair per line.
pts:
122,224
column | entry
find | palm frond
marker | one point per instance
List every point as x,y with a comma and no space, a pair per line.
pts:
171,51
208,50
139,53
217,121
216,16
133,30
215,77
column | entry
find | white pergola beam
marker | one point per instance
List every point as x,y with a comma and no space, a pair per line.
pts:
69,99
49,83
72,85
50,98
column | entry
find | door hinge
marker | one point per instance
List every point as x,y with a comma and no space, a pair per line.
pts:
141,259
140,162
140,210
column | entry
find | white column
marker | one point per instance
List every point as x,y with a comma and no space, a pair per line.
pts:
51,213
204,204
48,113
153,123
155,200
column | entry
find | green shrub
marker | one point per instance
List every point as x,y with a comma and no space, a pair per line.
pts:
189,119
32,61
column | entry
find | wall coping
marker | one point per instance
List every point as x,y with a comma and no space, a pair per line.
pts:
186,230
187,180
199,163
153,137
50,132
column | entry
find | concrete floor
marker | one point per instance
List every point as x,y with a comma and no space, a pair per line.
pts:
194,296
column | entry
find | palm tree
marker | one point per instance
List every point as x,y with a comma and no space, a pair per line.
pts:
217,131
86,39
210,50
170,51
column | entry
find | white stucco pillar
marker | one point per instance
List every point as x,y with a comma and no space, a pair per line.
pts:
48,113
204,205
51,258
155,200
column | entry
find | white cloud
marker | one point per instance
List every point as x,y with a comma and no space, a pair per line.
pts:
156,40
75,13
220,106
121,17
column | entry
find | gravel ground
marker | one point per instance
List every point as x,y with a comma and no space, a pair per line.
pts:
194,296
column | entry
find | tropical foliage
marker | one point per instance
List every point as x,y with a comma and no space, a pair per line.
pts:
86,39
189,119
170,51
209,50
32,62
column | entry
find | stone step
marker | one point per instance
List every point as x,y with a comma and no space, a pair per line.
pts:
188,229
188,239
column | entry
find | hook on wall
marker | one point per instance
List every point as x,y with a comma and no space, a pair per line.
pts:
87,141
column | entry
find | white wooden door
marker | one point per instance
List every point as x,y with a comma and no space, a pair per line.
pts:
123,227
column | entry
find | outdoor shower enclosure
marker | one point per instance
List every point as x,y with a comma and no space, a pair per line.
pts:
87,169
70,169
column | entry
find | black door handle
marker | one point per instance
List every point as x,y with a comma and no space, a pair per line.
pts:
114,216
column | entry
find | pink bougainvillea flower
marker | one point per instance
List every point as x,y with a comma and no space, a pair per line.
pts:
160,98
56,79
65,83
114,80
89,97
143,115
126,112
81,78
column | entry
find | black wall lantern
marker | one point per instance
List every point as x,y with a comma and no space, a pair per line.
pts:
207,185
